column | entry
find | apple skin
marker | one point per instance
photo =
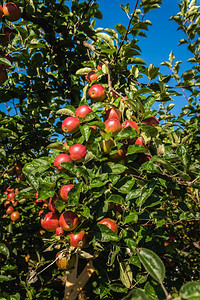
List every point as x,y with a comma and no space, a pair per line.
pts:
64,263
60,158
11,196
91,76
65,190
113,113
3,76
11,11
78,240
140,141
82,111
59,231
70,125
68,220
50,221
152,121
15,216
97,92
130,123
9,210
52,205
110,223
77,152
113,126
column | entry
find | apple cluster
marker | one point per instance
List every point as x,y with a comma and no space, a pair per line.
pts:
10,203
11,12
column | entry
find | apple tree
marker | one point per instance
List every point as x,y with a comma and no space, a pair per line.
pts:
104,187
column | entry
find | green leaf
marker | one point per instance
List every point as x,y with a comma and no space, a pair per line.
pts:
83,71
105,234
38,165
138,61
120,28
125,185
137,295
125,133
131,217
60,205
126,275
66,111
146,192
190,291
2,153
74,194
114,168
152,263
152,72
57,146
136,149
85,131
4,249
4,278
116,199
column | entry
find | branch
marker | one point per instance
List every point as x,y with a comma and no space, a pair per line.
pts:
127,30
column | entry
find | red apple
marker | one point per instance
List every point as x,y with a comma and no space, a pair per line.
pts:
97,92
60,159
110,223
68,220
70,125
113,113
82,111
3,76
78,240
52,205
15,215
59,231
50,221
11,11
77,152
113,126
152,121
92,75
11,196
9,210
130,123
1,11
65,190
140,141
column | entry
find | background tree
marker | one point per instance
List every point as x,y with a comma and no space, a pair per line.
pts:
134,180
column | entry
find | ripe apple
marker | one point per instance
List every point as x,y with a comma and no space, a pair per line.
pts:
130,123
65,263
70,125
9,210
65,190
3,76
8,57
107,145
11,11
82,111
11,196
152,121
140,141
113,113
59,231
113,126
97,92
92,75
52,205
78,240
77,152
50,221
15,215
68,220
110,223
60,159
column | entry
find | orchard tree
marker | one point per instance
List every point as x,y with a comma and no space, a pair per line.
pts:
100,192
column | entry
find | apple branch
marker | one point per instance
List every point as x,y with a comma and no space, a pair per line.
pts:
126,33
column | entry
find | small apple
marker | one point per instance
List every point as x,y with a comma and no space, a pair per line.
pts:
59,231
11,11
15,216
78,240
113,113
77,152
140,141
68,220
60,159
130,123
50,221
65,263
82,111
9,210
97,92
113,126
152,121
110,223
70,125
92,75
11,196
65,190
